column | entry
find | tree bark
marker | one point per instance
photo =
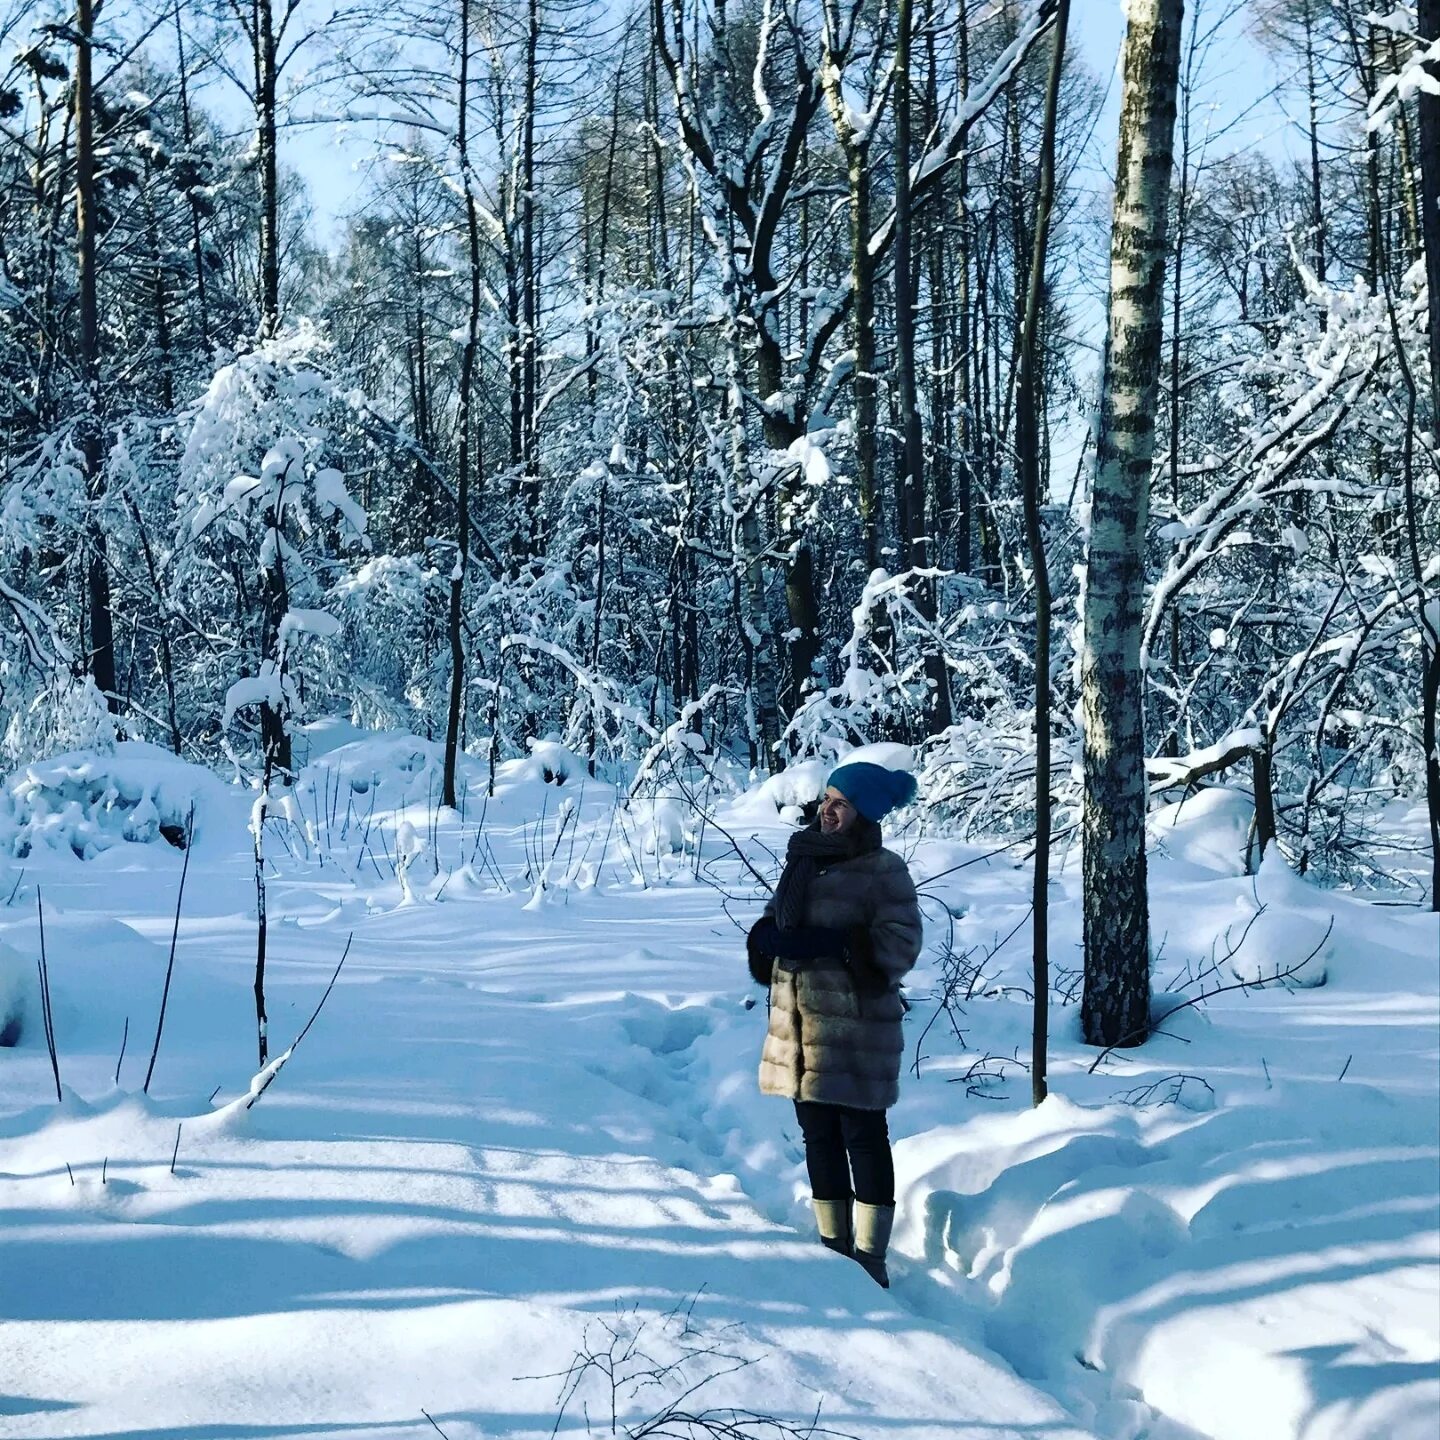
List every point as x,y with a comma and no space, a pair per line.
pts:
197,248
1027,441
912,463
530,290
1428,19
89,429
456,708
265,132
1115,1009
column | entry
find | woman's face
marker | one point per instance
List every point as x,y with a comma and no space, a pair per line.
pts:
837,814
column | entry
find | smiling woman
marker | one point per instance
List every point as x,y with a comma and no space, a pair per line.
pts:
841,931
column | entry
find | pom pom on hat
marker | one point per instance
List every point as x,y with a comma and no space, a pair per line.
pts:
872,789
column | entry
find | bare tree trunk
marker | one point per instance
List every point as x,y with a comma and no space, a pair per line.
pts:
265,128
862,277
912,464
1115,1010
89,432
942,382
275,604
1428,19
455,711
197,248
1428,12
1317,206
964,358
1027,442
530,290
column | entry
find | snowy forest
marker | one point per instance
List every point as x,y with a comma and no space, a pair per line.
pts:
595,421
659,336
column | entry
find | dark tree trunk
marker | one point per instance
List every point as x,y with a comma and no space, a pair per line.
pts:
1428,17
912,450
197,247
1028,401
455,711
530,291
1115,1010
89,428
964,438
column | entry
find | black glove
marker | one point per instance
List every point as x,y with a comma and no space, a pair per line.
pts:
795,948
762,966
869,979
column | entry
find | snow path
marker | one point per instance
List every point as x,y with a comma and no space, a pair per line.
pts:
497,1132
527,1125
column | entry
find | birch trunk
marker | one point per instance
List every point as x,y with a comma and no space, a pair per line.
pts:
266,147
1117,941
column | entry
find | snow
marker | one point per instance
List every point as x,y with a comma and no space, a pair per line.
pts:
85,802
526,1124
1209,831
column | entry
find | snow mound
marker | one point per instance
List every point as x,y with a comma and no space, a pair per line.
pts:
549,761
1288,932
403,768
1209,830
86,801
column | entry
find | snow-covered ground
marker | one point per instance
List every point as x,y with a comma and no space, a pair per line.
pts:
524,1131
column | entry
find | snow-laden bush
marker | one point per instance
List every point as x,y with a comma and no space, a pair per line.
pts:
87,801
262,508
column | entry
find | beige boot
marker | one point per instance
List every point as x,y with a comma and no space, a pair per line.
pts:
872,1239
832,1219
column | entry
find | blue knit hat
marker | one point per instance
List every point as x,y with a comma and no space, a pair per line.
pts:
872,789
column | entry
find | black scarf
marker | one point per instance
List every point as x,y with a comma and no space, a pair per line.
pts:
810,849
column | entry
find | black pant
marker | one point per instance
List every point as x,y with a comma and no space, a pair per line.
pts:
841,1142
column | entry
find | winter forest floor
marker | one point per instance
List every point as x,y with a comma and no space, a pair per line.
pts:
524,1130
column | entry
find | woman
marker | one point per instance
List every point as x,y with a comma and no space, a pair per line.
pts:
841,930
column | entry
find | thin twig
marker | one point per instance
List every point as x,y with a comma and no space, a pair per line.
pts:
170,963
1204,995
47,1015
279,1062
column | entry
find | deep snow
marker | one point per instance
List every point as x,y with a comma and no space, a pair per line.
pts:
525,1126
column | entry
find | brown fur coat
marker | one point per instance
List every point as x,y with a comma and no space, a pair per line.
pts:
827,1041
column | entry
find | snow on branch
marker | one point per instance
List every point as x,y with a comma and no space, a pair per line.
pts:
1172,772
926,172
600,690
39,637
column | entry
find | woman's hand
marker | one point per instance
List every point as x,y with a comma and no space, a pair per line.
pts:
808,942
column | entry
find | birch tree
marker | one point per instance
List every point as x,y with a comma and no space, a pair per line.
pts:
1116,904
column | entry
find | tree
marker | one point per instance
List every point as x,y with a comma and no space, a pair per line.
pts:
1116,904
89,430
1027,436
1428,17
